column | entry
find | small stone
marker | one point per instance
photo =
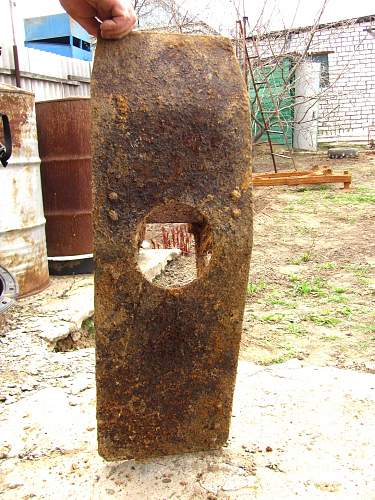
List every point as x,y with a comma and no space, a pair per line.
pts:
11,386
76,336
4,451
236,212
14,486
113,215
26,388
167,480
90,429
236,195
2,399
269,449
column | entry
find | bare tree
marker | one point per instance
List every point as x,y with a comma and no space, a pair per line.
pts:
144,9
174,15
279,66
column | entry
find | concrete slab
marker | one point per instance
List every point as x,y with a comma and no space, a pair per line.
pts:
153,262
297,431
60,310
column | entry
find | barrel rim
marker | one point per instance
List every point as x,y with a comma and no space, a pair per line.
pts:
64,99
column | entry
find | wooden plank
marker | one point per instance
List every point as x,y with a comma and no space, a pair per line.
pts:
300,180
294,173
298,173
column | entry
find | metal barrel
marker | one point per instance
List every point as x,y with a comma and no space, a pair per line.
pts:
22,223
64,132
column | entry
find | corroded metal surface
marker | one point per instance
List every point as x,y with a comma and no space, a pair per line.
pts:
171,143
64,133
22,223
8,290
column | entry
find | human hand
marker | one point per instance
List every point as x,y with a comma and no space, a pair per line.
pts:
116,17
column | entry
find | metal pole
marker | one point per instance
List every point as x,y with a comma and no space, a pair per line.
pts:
258,100
244,20
12,4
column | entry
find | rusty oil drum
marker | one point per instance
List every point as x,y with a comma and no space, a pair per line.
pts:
64,132
22,224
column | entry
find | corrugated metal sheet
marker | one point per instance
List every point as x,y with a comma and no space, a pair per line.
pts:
48,76
22,236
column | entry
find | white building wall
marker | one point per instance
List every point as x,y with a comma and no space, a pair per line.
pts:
347,106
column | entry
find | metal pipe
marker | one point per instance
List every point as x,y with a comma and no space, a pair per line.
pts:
12,4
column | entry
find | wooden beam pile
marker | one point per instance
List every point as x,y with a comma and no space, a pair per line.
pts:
318,175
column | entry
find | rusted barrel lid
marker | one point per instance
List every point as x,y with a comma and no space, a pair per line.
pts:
8,290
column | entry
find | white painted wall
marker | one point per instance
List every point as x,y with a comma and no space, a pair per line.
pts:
306,111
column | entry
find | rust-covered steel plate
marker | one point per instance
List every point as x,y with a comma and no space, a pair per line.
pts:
171,143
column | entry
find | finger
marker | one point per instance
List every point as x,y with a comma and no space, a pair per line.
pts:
118,27
90,24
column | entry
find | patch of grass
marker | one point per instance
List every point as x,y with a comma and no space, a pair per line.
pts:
305,257
303,200
328,265
330,338
338,298
322,319
339,290
294,278
272,318
89,325
345,311
255,287
365,344
365,328
360,270
282,358
297,330
289,208
352,220
275,300
352,198
289,352
364,281
313,286
303,229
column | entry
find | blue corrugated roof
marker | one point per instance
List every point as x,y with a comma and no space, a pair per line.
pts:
58,25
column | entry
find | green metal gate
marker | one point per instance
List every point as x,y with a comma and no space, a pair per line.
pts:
276,93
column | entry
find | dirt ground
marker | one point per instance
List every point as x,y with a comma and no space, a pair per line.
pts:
298,429
311,293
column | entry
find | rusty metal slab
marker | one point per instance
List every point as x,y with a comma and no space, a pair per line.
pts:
171,143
